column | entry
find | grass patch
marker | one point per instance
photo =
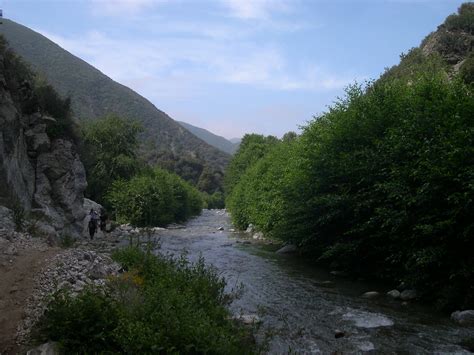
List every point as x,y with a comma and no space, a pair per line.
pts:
159,305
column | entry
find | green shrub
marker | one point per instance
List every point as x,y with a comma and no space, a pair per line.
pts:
154,198
214,201
160,305
66,241
466,71
19,216
83,324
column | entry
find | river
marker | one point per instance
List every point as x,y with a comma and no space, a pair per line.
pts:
300,310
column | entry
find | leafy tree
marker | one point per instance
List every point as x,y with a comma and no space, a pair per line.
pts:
109,153
251,149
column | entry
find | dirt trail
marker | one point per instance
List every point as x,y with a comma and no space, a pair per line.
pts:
17,283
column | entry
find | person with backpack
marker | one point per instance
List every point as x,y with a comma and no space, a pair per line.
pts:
103,219
93,219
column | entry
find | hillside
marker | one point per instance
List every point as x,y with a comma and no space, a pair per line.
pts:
93,95
449,48
210,138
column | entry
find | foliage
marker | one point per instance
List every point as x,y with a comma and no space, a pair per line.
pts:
381,184
467,69
160,305
109,153
191,168
214,201
154,198
83,324
66,241
19,216
252,148
463,20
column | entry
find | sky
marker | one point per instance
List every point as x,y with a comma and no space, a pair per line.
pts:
236,66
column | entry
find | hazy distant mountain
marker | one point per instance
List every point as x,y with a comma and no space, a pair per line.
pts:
236,140
94,94
219,142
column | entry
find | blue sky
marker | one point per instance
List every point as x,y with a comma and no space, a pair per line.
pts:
236,66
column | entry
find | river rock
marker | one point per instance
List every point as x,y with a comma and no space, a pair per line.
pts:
463,317
287,249
371,294
248,319
250,228
49,348
126,227
220,228
338,273
97,272
339,334
258,236
408,295
395,294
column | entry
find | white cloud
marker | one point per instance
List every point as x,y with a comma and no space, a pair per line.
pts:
182,67
122,8
254,9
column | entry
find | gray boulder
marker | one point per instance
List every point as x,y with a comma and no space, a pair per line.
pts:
248,319
287,249
408,295
258,236
463,317
98,271
371,294
250,228
395,294
50,348
89,204
36,170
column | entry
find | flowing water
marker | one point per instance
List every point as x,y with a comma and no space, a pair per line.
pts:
300,310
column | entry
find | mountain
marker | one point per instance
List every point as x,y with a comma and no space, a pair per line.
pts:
94,95
210,138
235,140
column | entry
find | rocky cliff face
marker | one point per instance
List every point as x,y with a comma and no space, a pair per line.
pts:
45,176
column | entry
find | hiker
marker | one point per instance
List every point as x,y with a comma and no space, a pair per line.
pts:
93,218
103,219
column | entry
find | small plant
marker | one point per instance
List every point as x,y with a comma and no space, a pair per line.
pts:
19,216
66,241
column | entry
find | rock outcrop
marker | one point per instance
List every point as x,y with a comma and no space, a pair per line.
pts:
43,175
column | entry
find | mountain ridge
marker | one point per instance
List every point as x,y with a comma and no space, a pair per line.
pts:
210,138
94,94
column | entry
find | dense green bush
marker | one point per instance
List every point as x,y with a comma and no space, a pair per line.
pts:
214,201
159,305
381,184
154,198
251,149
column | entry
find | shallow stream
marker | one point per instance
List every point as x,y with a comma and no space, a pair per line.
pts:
300,310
